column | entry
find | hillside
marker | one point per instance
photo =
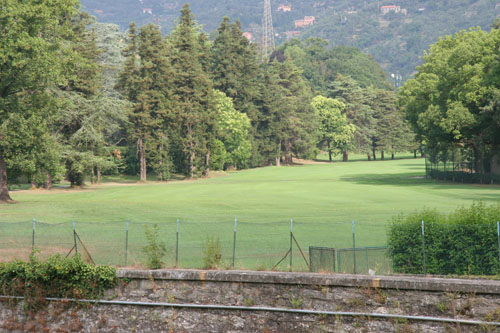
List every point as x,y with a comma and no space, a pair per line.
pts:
395,36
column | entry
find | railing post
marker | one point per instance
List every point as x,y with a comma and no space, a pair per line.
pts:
498,240
177,245
291,243
423,247
234,239
126,241
354,246
74,236
33,236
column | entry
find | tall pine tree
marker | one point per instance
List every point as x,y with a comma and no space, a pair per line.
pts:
146,81
236,71
194,103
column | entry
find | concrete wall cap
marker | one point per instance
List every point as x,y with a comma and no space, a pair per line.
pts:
320,279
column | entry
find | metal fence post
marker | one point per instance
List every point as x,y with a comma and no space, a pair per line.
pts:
291,243
423,247
33,236
126,241
354,246
234,239
339,265
498,240
177,245
74,236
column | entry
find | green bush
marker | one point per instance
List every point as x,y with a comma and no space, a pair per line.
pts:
54,277
156,249
212,253
464,242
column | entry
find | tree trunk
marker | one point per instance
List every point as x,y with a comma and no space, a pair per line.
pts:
207,164
99,175
415,153
192,157
92,176
160,163
288,153
369,156
278,157
48,182
33,185
382,155
345,156
142,159
329,152
4,189
374,154
392,156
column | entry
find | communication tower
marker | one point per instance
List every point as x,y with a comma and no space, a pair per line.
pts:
267,32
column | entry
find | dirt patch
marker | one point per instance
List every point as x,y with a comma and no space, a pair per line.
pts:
299,161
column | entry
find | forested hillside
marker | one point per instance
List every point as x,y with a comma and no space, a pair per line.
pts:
396,37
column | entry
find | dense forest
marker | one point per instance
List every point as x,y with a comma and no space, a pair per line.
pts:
89,100
396,39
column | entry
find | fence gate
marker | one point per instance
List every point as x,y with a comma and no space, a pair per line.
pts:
322,259
325,259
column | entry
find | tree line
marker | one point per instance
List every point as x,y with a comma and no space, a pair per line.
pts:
186,104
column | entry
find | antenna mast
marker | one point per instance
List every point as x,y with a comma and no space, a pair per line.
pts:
267,32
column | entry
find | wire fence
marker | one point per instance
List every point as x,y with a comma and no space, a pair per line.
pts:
463,165
281,245
361,260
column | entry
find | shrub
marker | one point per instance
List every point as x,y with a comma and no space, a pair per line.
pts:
464,242
211,253
156,249
54,277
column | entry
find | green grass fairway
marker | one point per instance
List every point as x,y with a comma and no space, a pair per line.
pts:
322,199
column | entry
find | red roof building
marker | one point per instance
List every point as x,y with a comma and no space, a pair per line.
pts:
284,8
388,9
308,20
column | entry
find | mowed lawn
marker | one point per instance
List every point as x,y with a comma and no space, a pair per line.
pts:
322,199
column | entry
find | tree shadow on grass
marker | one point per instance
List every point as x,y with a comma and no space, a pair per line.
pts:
409,179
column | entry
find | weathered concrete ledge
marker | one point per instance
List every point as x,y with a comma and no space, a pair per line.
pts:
476,286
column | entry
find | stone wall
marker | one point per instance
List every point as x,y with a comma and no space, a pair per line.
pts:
477,300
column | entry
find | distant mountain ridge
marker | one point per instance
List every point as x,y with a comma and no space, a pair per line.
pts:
395,32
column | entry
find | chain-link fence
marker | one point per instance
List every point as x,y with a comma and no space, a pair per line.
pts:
362,260
463,165
280,245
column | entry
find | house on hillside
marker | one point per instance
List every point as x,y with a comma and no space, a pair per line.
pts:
147,11
387,9
284,8
308,20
